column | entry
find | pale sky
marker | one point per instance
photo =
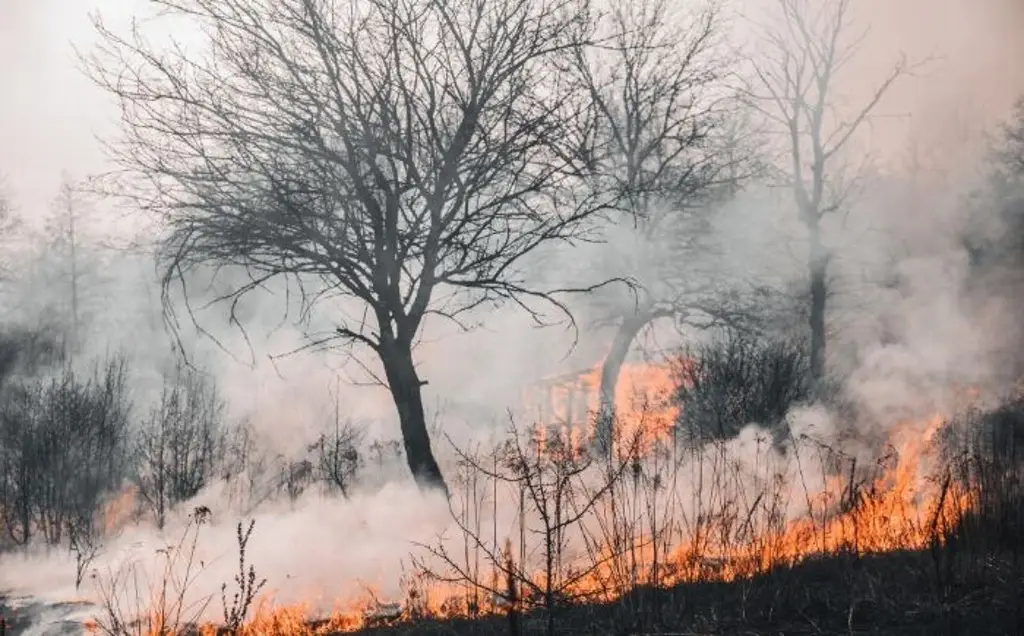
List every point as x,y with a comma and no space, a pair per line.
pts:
50,113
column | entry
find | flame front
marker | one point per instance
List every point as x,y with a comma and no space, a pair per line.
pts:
644,408
720,512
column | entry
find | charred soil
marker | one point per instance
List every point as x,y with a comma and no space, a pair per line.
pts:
933,593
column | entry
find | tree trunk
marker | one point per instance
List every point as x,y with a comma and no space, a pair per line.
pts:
628,330
405,387
818,270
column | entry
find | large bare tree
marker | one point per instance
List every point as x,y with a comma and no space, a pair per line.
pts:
796,87
664,142
406,155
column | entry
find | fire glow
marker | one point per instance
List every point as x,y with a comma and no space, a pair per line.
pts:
721,512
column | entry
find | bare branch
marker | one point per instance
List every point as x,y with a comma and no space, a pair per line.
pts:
797,78
381,154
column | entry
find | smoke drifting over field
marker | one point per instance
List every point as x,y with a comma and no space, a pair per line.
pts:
908,323
935,118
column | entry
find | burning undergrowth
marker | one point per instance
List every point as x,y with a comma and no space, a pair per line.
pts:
546,524
543,526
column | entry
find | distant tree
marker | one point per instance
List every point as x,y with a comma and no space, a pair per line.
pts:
994,237
1009,148
11,227
251,470
6,204
63,450
295,476
795,89
663,139
405,155
1004,188
84,439
336,456
66,237
181,446
66,274
25,352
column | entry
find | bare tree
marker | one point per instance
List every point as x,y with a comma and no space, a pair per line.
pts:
662,143
795,89
547,474
1009,148
993,238
64,273
406,155
249,468
84,543
335,453
64,238
336,456
63,451
6,204
182,444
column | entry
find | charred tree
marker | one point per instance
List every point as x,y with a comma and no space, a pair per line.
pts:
402,156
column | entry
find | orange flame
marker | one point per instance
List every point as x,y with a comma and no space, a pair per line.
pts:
899,507
644,408
115,513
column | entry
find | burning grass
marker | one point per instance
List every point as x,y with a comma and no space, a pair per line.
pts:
795,536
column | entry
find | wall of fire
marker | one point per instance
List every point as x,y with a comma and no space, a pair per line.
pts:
642,398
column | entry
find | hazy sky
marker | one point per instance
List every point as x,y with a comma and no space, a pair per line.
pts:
49,113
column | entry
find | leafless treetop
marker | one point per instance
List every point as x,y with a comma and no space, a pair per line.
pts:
385,148
796,89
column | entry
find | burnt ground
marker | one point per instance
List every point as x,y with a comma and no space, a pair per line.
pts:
21,616
898,594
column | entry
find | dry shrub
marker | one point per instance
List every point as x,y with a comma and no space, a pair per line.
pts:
737,379
985,456
135,604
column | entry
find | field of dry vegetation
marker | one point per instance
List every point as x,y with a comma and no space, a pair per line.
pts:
827,439
693,523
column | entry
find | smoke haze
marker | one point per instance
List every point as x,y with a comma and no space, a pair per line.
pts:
904,343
